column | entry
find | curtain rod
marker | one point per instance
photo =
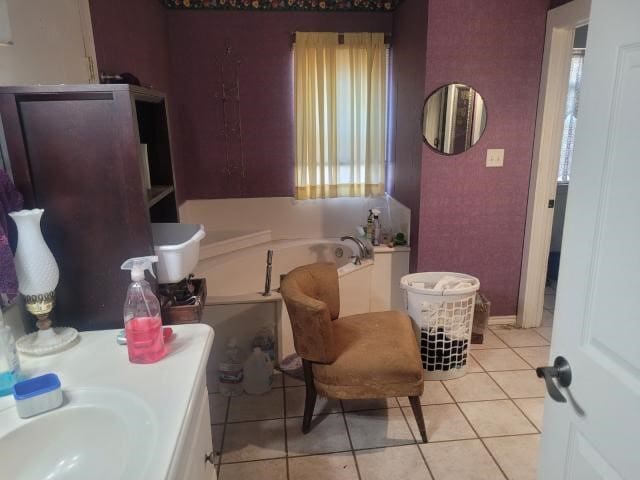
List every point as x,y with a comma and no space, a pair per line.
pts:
387,38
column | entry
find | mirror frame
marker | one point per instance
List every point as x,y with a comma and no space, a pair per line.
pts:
422,123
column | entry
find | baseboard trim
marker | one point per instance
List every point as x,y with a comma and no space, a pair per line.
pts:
502,320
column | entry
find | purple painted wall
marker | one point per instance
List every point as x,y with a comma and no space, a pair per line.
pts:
263,42
132,36
407,96
472,218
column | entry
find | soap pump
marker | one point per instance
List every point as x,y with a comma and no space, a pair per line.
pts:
142,321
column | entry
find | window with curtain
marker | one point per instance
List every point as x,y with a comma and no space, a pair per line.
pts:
570,115
340,114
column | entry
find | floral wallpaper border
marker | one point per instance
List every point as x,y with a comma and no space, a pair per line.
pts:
286,5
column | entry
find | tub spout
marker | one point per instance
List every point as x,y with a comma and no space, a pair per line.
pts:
362,249
267,279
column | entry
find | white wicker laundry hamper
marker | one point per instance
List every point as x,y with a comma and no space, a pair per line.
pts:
442,320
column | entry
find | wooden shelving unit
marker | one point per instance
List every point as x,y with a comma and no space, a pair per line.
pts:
75,150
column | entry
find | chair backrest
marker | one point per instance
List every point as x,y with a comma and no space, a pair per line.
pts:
312,297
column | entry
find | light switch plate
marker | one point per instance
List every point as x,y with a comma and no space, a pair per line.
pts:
495,157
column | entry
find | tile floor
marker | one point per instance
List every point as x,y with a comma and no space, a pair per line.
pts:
485,425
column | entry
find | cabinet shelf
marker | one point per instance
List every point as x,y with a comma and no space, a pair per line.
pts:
157,193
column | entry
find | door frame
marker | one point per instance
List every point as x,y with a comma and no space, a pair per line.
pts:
558,48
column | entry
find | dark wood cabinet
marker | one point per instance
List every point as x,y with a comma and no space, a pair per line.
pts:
80,153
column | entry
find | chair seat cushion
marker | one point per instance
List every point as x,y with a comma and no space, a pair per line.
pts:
377,357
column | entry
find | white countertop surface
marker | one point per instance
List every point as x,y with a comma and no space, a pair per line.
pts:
169,387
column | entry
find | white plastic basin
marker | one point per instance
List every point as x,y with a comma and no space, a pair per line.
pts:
177,246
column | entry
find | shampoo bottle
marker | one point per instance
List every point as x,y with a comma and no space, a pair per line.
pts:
142,321
9,363
369,230
377,227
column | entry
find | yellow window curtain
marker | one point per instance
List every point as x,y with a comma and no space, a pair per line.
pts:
341,114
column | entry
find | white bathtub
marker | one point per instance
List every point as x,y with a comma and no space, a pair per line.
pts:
239,276
236,308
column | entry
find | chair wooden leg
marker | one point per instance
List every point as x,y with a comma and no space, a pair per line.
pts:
417,413
311,395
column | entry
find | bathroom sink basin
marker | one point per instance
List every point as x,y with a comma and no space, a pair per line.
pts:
97,434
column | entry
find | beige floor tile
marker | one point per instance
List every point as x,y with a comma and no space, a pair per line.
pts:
534,356
218,407
217,432
212,381
369,404
518,456
490,341
533,408
295,403
263,470
278,381
378,428
498,359
472,365
474,386
336,466
518,337
290,381
444,422
496,417
403,463
545,332
520,384
253,441
328,434
216,441
434,393
465,460
257,407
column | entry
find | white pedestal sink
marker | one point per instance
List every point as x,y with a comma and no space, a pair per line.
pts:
97,434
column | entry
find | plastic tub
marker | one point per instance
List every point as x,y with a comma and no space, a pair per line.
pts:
177,246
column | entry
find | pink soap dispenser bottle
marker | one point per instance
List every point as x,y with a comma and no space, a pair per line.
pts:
142,321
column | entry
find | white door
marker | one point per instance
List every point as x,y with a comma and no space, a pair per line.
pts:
595,435
51,42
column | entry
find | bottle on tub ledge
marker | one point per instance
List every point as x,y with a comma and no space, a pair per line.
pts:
230,371
142,321
377,227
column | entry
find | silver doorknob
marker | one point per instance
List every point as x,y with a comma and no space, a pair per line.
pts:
561,372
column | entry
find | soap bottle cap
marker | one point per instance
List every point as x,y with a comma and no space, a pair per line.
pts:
138,265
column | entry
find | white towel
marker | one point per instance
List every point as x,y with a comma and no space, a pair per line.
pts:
449,282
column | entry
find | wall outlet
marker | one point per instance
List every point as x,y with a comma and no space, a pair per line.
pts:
495,157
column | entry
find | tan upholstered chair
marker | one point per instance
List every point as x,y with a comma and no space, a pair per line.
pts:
371,355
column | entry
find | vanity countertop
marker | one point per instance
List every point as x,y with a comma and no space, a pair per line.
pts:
169,387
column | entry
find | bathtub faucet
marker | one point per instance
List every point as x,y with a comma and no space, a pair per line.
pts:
363,251
267,278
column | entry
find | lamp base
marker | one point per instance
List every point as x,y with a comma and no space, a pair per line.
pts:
46,342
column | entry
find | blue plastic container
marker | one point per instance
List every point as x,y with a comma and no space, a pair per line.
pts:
37,395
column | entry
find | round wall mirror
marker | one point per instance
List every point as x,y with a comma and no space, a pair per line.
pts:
454,118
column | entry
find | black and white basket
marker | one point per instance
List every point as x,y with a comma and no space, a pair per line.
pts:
443,320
